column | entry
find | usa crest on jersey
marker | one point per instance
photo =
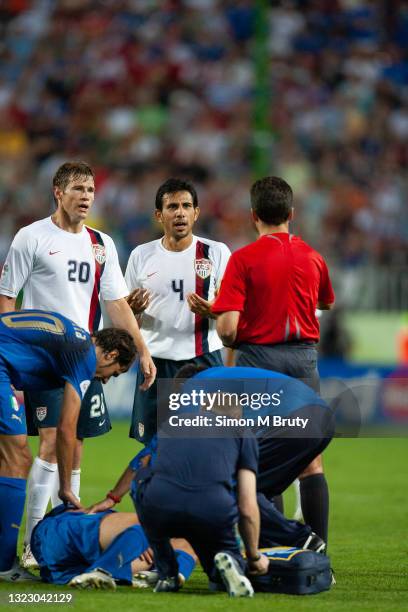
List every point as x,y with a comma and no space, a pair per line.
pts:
99,252
203,267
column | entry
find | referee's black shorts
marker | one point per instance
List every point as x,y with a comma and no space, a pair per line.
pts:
295,359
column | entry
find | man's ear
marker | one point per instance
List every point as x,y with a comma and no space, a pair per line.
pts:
112,355
158,215
291,214
196,213
58,193
254,216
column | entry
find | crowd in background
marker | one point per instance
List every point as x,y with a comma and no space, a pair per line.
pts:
146,89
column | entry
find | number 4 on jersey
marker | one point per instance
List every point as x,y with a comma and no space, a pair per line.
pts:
178,288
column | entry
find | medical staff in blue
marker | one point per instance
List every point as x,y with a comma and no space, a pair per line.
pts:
44,350
284,450
199,489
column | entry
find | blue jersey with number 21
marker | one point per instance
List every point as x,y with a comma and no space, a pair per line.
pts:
43,350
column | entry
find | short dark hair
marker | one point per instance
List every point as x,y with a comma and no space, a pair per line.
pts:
111,339
69,171
271,200
189,370
172,185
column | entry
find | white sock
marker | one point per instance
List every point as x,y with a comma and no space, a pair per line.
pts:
40,485
76,482
298,515
75,485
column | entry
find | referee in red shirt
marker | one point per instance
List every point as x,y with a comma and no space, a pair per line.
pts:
266,310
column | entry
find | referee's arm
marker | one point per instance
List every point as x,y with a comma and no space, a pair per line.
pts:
227,326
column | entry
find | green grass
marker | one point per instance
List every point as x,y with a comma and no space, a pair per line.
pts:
368,535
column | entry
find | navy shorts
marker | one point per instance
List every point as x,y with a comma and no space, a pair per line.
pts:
144,416
43,409
205,517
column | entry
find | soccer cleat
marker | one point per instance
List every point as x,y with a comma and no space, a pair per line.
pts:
17,574
145,579
96,579
169,585
315,543
28,560
232,576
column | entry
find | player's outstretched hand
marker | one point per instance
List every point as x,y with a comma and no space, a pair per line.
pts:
148,370
105,504
199,305
139,300
260,567
70,499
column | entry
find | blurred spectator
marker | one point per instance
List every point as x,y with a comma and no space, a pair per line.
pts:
335,339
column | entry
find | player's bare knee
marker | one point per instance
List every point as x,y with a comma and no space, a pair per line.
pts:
48,444
315,467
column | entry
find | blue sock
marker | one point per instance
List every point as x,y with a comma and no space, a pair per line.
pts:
186,563
12,498
117,558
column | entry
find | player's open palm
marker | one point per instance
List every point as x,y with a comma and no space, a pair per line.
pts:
139,299
105,504
199,305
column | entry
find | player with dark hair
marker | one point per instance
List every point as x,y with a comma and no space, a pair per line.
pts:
174,280
63,265
44,350
266,310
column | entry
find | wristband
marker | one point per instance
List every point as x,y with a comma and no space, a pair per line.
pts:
254,559
114,497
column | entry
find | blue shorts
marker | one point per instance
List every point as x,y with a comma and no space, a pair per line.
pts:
66,544
12,417
43,409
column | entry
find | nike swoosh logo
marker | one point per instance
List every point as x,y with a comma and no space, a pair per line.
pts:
53,252
152,274
101,422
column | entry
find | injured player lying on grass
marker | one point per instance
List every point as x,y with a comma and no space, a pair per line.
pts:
98,550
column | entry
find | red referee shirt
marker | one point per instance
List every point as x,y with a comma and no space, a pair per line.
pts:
276,283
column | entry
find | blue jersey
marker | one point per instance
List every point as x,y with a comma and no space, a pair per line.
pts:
43,350
282,395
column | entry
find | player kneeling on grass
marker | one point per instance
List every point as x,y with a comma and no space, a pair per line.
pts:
95,550
43,350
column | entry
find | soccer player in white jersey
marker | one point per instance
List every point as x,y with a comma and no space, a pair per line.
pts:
174,280
65,266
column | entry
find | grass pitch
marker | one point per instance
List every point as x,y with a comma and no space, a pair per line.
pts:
368,536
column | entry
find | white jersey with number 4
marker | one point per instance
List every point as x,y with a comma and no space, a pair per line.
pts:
63,271
169,328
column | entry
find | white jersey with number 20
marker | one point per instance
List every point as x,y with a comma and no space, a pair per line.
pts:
63,271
